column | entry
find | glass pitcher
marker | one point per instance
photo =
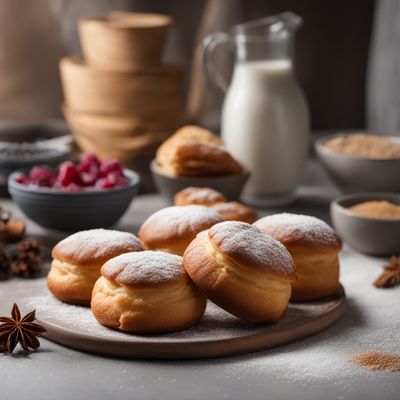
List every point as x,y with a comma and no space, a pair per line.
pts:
265,120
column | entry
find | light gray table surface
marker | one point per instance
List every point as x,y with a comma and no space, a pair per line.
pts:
313,368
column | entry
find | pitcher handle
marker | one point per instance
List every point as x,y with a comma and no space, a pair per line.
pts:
210,43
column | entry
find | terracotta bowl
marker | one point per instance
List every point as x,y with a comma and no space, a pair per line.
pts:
230,185
152,93
379,237
122,41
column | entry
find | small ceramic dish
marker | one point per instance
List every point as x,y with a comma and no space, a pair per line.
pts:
69,211
25,145
230,186
357,174
379,237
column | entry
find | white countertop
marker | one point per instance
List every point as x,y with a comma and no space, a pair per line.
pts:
313,368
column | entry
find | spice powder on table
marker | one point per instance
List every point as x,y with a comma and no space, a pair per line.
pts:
376,361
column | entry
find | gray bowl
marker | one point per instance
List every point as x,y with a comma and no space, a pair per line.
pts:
379,237
230,185
73,211
356,174
24,145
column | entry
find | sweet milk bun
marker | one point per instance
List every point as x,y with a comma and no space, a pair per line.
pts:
78,258
244,271
314,247
196,195
146,292
234,211
171,229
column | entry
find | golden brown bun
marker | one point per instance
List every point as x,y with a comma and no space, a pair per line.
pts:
146,292
173,228
247,273
234,211
314,247
194,151
78,258
196,195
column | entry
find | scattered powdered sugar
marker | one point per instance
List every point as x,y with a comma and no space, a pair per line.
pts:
289,228
144,268
370,323
179,220
101,240
247,243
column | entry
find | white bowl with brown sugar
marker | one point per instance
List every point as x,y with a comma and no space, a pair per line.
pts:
361,162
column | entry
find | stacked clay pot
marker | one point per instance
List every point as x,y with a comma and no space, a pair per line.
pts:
122,101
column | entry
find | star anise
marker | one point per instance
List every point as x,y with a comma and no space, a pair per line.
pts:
391,274
26,260
17,329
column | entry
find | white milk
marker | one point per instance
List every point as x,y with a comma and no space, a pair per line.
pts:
265,125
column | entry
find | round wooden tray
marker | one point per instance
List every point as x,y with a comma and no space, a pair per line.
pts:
217,334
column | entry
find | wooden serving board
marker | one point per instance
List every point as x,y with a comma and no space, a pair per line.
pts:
217,334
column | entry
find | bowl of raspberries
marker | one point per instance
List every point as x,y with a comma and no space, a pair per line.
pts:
75,196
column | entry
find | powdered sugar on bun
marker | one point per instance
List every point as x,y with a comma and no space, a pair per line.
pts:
246,245
95,246
145,269
300,231
178,221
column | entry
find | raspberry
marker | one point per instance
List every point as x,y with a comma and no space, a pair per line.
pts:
110,166
21,179
41,176
104,183
116,178
89,169
68,173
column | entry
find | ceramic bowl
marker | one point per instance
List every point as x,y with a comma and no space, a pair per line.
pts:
230,186
73,211
122,41
356,174
379,237
24,145
152,92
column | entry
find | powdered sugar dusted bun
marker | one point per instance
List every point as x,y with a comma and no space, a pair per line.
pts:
146,269
146,292
95,246
173,228
234,211
298,231
78,258
242,270
195,195
314,247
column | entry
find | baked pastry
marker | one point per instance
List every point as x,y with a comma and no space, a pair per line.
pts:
171,229
203,196
194,151
314,247
244,271
146,292
78,258
234,211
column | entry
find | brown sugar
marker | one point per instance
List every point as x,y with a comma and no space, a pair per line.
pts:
380,209
377,361
365,146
